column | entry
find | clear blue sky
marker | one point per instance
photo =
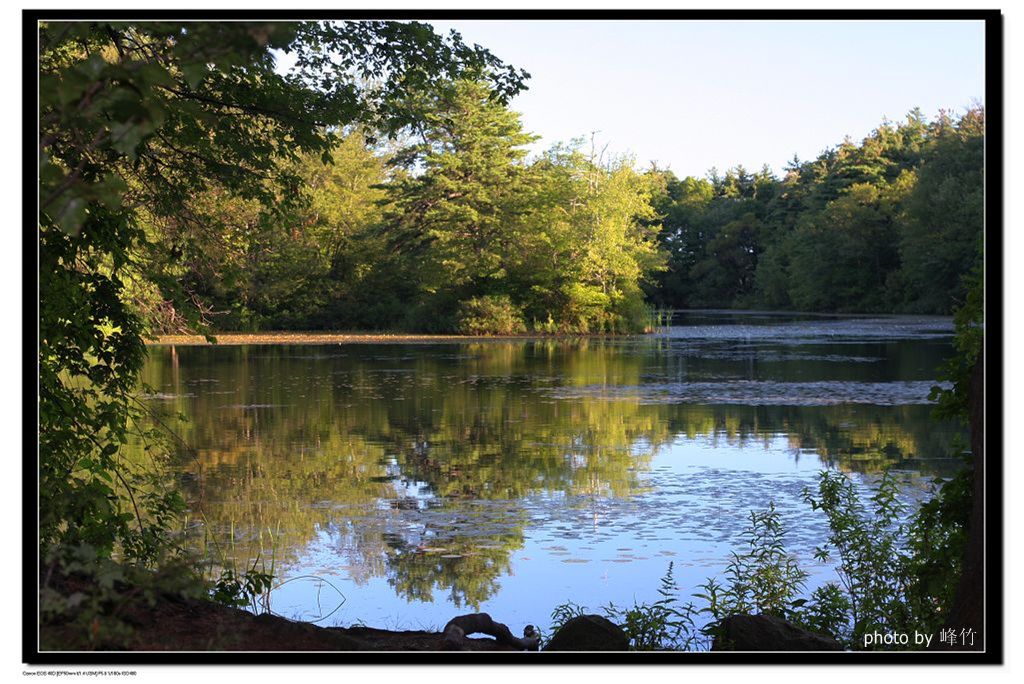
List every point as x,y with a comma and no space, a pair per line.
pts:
697,94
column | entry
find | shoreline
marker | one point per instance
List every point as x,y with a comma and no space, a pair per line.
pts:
282,337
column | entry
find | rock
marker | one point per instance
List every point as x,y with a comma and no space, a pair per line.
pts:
459,627
589,633
768,633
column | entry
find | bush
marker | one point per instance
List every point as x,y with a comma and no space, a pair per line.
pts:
490,315
888,581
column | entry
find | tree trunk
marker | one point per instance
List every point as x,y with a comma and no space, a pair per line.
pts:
458,628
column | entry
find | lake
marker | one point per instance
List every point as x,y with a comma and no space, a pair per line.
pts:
423,481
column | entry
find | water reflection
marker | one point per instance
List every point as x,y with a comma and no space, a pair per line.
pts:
449,471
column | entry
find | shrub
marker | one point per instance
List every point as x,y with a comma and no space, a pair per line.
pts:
886,577
490,315
871,545
662,625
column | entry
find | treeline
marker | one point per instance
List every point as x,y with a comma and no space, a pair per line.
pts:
453,229
450,230
892,224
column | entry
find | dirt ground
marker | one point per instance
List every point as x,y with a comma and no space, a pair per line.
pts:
175,624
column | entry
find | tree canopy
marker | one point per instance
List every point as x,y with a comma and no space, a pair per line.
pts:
892,224
449,229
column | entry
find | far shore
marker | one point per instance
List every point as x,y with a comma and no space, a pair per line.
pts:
283,337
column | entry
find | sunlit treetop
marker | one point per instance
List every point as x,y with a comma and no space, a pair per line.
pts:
184,104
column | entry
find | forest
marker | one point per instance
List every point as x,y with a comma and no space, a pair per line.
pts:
453,228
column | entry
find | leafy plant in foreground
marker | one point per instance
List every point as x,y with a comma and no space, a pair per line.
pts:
877,563
765,579
564,612
662,625
243,590
870,543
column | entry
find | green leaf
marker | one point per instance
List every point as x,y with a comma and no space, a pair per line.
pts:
125,137
194,73
71,214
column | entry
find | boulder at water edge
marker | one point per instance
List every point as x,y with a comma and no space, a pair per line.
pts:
768,633
589,633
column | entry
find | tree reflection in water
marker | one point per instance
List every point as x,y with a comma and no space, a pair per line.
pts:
414,460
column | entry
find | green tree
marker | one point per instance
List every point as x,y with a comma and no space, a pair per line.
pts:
841,258
567,240
944,216
591,243
681,205
818,238
727,271
454,220
304,272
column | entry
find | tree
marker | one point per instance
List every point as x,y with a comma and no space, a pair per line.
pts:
841,258
489,240
456,216
592,241
137,120
306,271
727,271
967,370
944,216
680,205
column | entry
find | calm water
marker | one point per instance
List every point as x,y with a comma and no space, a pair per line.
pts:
421,481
